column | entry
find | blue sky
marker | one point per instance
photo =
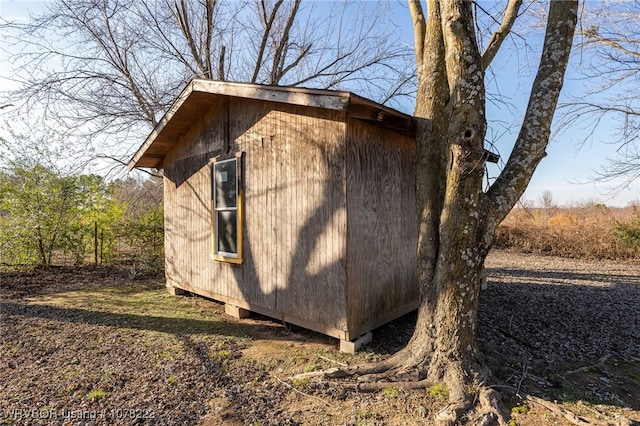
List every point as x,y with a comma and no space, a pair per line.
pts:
573,156
570,163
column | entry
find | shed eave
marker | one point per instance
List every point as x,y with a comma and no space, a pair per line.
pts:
327,99
367,110
142,156
198,92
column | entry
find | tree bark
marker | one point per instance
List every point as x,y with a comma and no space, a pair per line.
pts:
450,165
456,218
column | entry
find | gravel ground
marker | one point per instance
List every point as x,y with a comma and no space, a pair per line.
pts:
562,329
559,309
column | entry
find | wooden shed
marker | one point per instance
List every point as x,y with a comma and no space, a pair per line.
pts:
293,203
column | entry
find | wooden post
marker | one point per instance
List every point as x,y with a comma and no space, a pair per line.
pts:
102,246
95,242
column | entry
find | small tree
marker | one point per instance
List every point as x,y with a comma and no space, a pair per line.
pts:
98,217
141,230
548,203
39,208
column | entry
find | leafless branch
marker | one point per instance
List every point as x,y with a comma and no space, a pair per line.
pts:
510,15
268,20
609,70
106,71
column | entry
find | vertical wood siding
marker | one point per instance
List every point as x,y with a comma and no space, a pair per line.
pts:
382,234
187,192
294,183
295,209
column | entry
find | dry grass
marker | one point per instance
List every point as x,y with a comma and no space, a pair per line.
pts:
586,231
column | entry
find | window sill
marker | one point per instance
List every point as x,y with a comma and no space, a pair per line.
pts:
234,260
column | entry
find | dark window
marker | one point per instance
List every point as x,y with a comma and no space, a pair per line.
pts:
227,210
227,231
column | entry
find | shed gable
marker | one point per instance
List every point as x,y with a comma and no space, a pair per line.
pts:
199,95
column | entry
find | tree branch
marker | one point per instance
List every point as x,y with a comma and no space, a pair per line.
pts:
209,12
510,15
182,16
616,45
534,134
419,28
280,53
268,24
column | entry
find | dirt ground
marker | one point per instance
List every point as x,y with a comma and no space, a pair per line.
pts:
91,346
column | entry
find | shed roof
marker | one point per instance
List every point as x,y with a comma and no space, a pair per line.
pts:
187,108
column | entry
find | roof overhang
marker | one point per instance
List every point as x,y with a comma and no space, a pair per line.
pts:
194,100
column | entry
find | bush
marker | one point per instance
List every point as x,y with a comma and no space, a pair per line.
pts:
629,232
588,231
50,218
43,211
144,237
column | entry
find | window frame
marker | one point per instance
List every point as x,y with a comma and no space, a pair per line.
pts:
219,255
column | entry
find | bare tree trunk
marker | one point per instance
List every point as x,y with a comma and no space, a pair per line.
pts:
41,250
444,346
280,52
95,243
456,219
268,20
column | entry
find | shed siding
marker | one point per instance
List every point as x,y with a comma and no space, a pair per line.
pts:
187,193
295,209
382,233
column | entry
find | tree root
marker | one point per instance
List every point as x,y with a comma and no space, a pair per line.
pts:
482,408
600,363
479,407
370,387
570,416
371,377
